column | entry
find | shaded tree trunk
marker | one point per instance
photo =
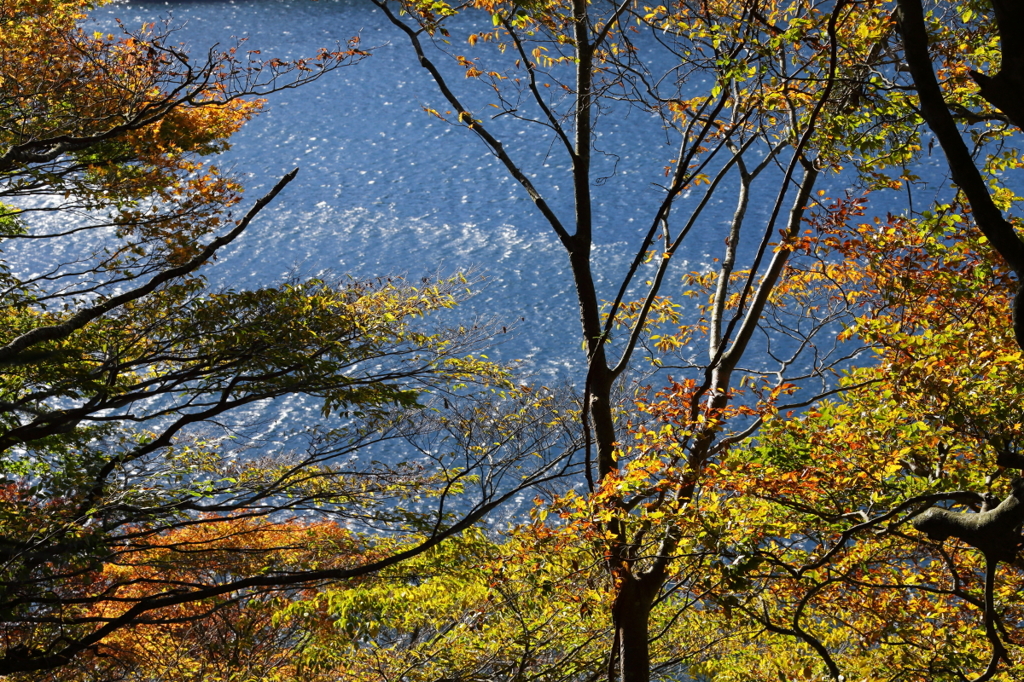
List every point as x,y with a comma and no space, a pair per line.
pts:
631,614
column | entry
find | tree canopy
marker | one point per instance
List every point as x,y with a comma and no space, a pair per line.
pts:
130,386
797,461
778,103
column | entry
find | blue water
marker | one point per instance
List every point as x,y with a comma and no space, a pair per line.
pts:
386,188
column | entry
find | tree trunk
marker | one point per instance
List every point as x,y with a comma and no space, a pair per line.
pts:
631,614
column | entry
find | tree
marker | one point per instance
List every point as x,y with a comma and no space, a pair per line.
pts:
706,500
128,383
799,559
996,105
740,120
229,638
522,604
825,523
953,410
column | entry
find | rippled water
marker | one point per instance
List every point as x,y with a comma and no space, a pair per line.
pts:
386,188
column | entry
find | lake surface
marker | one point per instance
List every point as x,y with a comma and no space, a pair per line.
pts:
385,188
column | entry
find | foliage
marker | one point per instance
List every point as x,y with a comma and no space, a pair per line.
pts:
774,100
524,604
814,485
816,517
232,637
771,100
131,391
